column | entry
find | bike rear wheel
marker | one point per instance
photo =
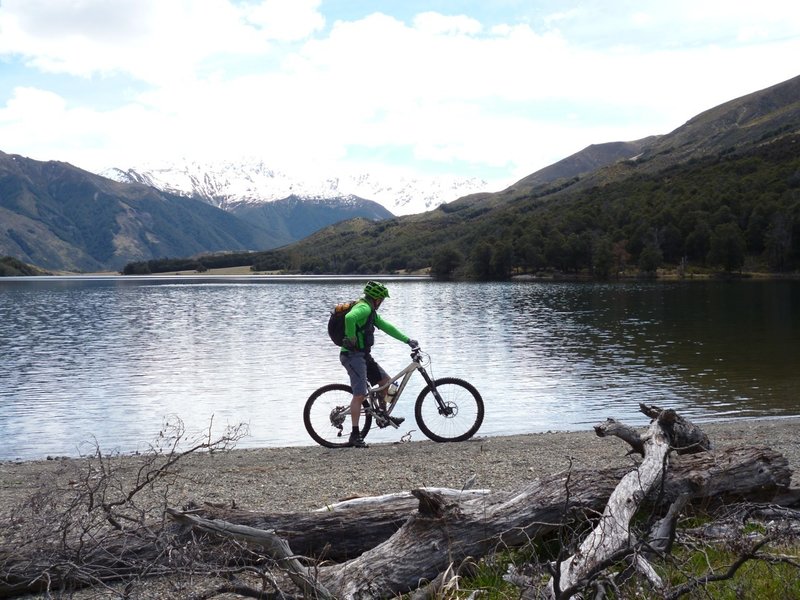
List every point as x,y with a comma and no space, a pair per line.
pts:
327,416
462,414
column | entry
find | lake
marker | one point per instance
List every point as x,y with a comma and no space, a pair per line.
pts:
105,361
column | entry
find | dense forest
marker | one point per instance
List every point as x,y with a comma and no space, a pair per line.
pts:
201,264
726,213
723,213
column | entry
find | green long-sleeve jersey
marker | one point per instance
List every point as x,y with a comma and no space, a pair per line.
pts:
357,326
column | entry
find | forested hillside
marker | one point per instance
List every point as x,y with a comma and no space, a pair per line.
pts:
725,212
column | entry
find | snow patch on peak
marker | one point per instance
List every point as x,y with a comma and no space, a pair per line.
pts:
228,183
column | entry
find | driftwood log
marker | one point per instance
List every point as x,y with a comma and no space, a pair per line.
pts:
382,547
441,533
751,473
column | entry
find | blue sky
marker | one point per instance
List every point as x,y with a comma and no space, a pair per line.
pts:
494,89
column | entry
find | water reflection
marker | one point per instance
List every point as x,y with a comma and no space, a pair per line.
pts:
108,359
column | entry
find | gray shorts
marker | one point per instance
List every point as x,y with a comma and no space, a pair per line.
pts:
362,368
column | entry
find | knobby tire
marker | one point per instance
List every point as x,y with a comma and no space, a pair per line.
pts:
463,398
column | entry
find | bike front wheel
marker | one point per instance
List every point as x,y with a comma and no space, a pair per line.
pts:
327,416
458,417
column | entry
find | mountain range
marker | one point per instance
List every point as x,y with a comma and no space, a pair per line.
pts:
231,184
59,217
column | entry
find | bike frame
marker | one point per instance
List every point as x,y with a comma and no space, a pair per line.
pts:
415,365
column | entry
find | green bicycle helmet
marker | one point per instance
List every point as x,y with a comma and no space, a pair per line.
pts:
375,290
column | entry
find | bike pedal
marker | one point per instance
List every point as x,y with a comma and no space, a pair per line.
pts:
396,421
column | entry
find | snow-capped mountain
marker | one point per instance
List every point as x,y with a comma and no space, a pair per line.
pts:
229,184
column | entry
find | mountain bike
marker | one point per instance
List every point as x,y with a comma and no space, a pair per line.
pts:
446,410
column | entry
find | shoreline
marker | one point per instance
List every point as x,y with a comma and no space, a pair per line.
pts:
300,478
663,274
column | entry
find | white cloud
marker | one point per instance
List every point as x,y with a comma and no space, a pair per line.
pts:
654,24
151,40
438,24
282,80
31,112
286,20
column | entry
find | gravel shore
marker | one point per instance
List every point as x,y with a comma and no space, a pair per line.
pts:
305,478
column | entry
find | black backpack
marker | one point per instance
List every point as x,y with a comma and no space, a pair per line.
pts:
336,321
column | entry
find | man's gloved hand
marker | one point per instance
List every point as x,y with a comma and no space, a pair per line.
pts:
350,344
413,343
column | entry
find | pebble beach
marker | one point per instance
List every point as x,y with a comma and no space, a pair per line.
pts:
309,477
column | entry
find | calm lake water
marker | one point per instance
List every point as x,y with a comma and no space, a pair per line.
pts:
106,361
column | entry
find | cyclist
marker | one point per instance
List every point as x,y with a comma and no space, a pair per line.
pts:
359,336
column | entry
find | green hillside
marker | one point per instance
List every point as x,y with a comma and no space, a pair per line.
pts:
721,212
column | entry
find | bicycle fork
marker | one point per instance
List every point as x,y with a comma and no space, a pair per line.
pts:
445,409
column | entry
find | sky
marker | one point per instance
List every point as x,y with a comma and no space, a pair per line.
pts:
494,89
